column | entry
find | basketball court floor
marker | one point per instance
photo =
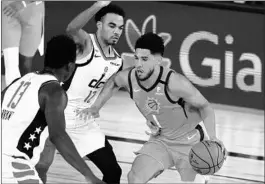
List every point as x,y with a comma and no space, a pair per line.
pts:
241,130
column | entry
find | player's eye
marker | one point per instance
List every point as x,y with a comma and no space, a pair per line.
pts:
112,26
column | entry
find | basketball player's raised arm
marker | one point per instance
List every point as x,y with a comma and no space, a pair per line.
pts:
74,28
117,81
180,86
53,101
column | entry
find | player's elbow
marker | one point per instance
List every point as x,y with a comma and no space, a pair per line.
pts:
56,136
71,30
206,109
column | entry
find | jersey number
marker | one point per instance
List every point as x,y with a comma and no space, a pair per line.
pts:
19,93
90,96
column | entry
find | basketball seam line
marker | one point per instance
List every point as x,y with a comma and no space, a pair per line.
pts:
217,155
208,167
202,160
210,155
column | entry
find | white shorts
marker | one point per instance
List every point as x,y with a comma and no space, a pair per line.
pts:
87,137
16,171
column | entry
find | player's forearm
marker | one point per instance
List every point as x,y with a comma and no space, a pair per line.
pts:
107,92
42,174
208,116
82,19
65,146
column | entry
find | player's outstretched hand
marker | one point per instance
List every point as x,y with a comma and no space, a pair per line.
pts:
88,113
221,145
103,3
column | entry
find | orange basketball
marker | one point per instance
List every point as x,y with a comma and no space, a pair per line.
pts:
206,157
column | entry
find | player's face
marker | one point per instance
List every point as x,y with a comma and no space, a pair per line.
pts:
145,63
111,28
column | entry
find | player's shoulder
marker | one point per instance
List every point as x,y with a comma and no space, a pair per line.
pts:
126,71
178,81
122,76
52,91
176,76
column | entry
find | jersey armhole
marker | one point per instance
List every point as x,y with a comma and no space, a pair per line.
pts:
121,67
130,83
180,101
166,88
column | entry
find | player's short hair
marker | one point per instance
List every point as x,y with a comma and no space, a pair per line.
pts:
111,8
60,51
152,42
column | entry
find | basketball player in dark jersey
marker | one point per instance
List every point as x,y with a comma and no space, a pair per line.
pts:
173,108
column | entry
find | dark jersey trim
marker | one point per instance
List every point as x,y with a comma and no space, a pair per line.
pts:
100,49
180,101
166,87
66,85
130,83
154,85
36,127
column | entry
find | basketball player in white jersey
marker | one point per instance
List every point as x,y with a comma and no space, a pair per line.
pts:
173,108
97,61
29,105
22,30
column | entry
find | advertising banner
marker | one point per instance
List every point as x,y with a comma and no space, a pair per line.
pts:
220,51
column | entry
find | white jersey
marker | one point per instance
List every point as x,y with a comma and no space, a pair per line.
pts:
23,122
87,81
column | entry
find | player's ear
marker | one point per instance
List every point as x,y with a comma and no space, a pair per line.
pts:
71,67
99,25
158,58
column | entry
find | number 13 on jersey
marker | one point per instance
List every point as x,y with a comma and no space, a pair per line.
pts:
18,94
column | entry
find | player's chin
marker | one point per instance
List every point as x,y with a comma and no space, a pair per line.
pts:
141,76
113,42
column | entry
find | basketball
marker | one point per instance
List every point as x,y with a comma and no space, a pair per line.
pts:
206,157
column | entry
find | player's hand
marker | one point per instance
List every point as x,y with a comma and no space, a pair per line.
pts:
9,11
221,144
103,3
88,113
13,8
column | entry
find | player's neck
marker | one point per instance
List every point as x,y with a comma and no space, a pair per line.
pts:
57,74
152,79
106,48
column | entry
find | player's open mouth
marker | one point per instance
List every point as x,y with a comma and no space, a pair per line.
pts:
140,71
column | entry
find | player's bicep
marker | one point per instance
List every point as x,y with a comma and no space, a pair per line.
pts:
181,87
82,38
53,104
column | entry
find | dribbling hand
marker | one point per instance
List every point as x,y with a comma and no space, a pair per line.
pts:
221,144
